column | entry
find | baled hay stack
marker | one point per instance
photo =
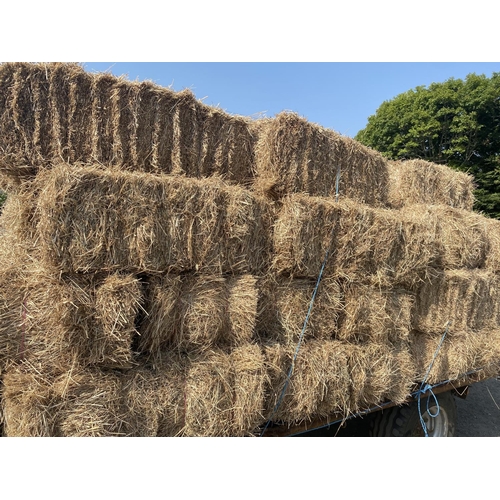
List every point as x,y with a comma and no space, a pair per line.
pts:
91,219
459,354
11,317
294,155
198,312
283,307
384,247
11,300
374,315
462,236
421,182
493,235
30,405
91,318
225,393
52,112
466,298
95,407
378,374
118,302
155,397
14,261
319,385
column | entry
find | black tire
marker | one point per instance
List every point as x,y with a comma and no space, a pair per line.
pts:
404,421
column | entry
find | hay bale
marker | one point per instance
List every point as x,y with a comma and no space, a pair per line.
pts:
94,407
294,155
118,301
379,374
198,312
422,182
14,260
372,315
70,403
467,298
461,236
155,397
90,318
52,111
29,405
385,247
459,354
319,385
92,219
284,304
225,393
493,235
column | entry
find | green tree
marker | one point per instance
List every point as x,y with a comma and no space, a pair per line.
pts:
456,123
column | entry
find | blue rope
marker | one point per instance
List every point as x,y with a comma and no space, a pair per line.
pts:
306,321
425,387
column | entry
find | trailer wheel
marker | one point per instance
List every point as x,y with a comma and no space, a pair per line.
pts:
404,421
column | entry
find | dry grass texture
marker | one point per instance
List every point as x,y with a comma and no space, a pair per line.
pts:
88,318
92,220
382,246
421,182
294,155
461,237
198,312
319,386
372,315
215,393
284,304
53,112
467,298
378,374
458,355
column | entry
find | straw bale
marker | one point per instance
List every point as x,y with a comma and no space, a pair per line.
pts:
294,155
155,397
92,219
493,236
14,260
460,353
91,318
30,406
384,247
225,393
81,115
11,316
94,407
54,111
284,304
378,374
72,402
319,385
118,301
198,312
373,315
461,236
422,182
467,298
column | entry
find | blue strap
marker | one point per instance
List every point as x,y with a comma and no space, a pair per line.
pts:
425,387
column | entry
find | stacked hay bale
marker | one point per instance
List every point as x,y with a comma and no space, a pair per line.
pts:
131,259
159,257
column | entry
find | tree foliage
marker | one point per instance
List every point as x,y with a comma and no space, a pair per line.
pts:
456,123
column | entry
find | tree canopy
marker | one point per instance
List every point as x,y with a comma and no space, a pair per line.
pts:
456,123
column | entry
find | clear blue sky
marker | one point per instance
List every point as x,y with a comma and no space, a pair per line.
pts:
338,95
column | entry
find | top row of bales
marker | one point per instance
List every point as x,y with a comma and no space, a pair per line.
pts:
59,112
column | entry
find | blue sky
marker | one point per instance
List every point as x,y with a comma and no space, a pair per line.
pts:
337,95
